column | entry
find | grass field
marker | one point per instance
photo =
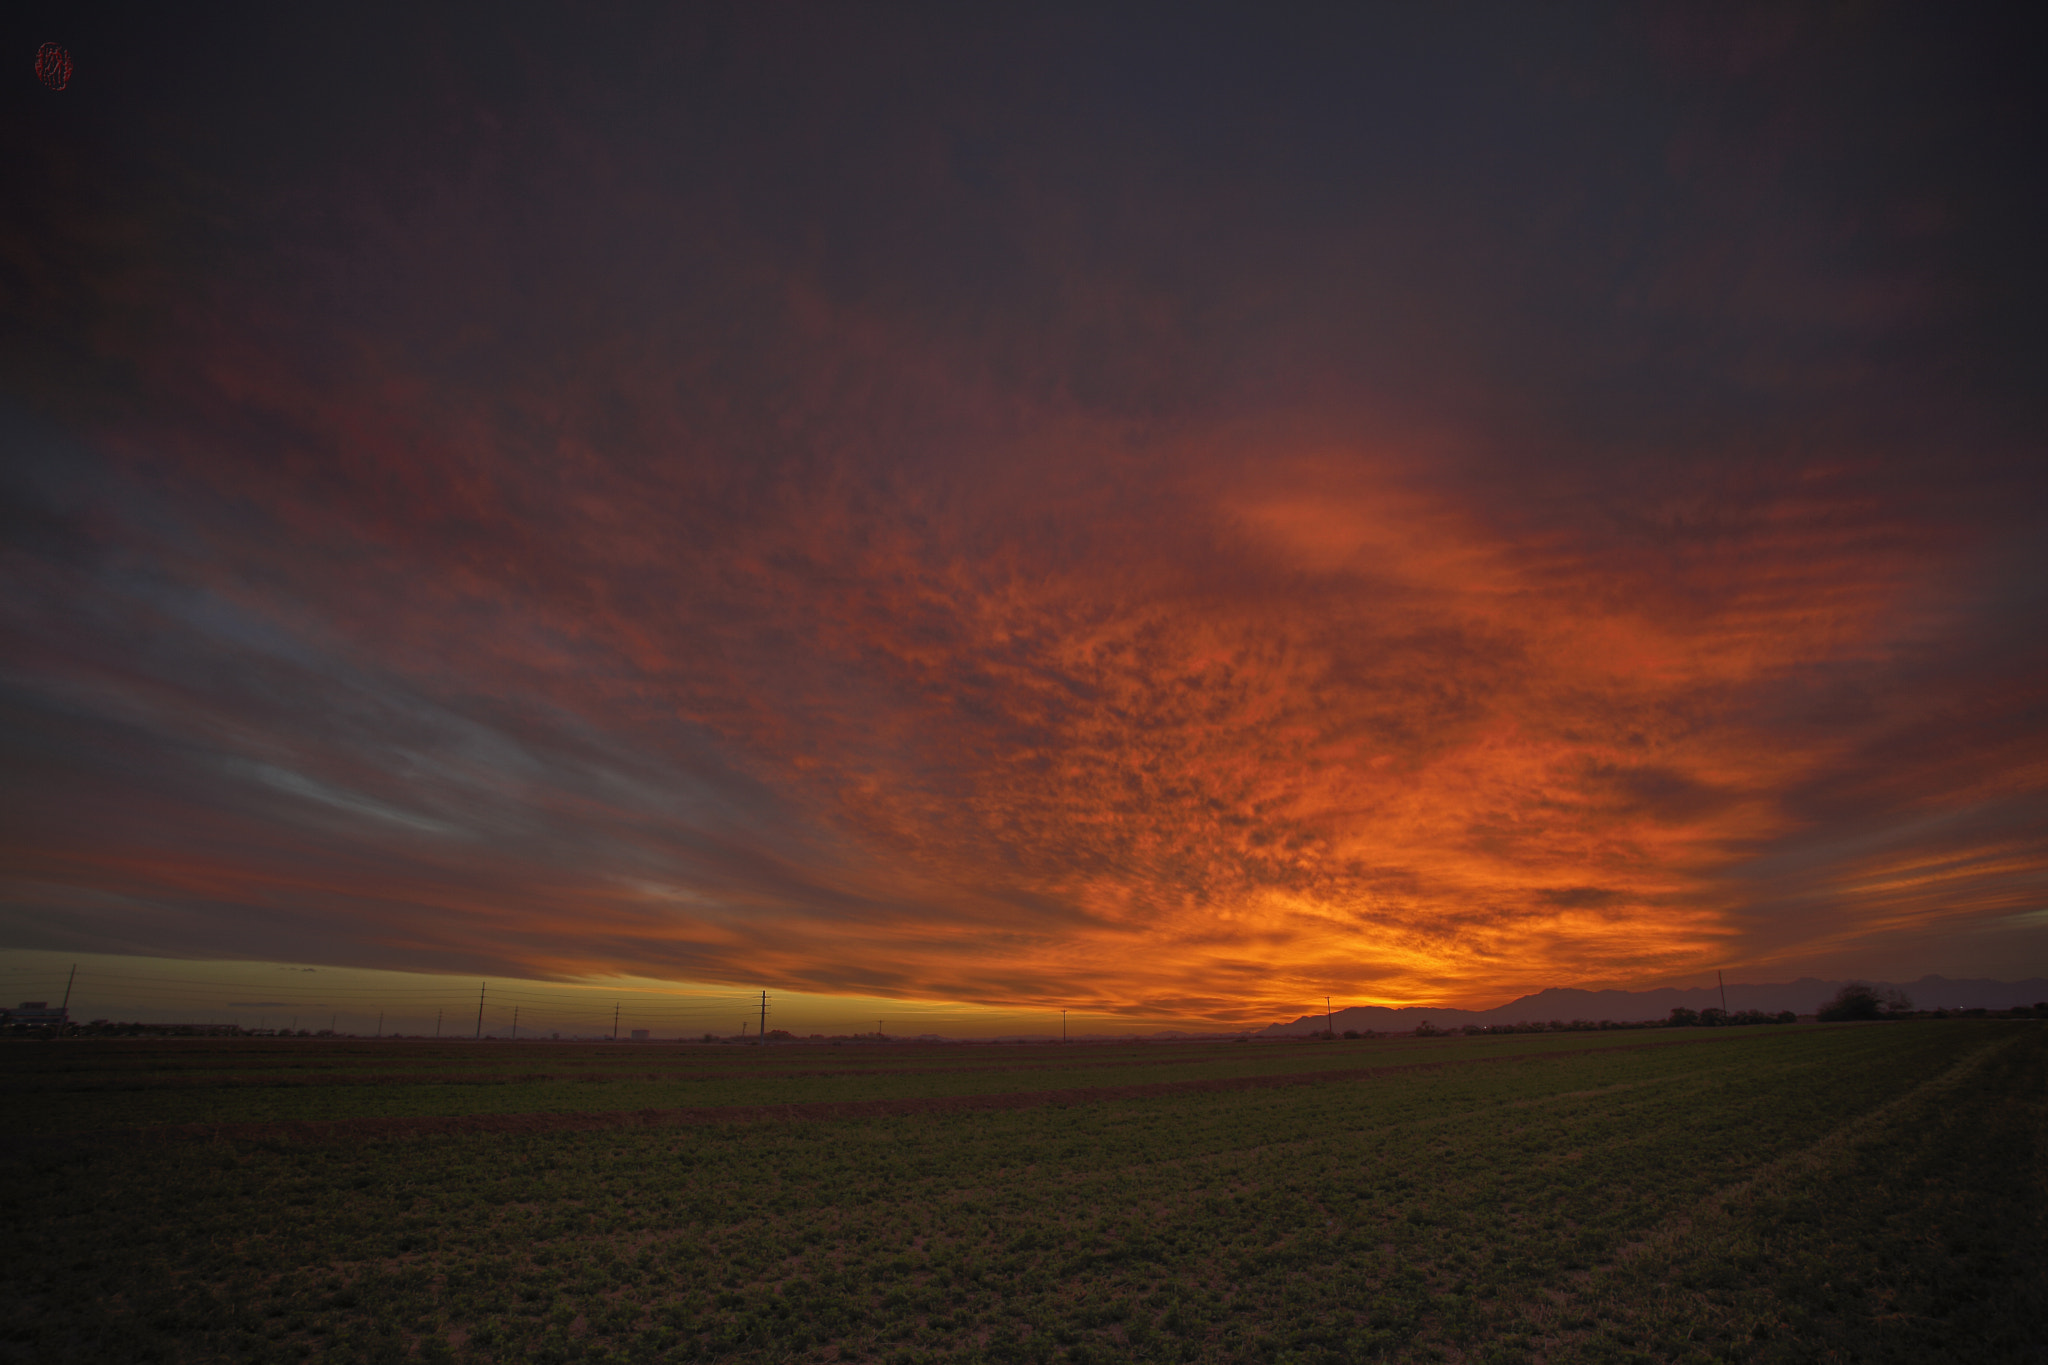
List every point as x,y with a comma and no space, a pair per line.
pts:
1857,1192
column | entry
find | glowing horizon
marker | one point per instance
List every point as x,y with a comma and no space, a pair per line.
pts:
374,1001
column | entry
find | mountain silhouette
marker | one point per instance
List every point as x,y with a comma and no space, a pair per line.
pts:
1803,996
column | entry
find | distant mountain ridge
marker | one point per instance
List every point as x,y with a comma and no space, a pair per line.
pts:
1802,997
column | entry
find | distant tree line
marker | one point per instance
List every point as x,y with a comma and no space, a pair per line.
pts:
115,1028
1680,1018
1715,1018
1556,1026
1856,1000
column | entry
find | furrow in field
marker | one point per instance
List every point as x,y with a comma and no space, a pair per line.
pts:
1718,1207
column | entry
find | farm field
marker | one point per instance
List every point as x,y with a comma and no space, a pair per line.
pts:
1855,1192
80,1087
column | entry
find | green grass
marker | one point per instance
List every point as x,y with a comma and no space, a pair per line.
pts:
1850,1193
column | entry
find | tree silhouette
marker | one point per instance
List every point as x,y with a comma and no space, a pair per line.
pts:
1861,1000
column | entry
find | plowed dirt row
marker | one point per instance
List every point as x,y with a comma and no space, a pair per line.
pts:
206,1082
314,1130
337,1130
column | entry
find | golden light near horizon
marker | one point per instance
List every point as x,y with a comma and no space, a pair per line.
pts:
369,1002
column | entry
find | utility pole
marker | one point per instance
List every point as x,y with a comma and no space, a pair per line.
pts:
437,1022
481,987
1328,1027
764,1016
1063,1026
515,1023
1724,989
380,1023
65,1009
332,1020
615,1021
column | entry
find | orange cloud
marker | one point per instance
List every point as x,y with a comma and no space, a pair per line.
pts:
938,553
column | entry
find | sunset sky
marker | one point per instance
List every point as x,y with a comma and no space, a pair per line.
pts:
1168,511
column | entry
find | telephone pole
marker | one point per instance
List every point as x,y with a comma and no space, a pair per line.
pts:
1724,989
481,987
515,1023
1063,1026
764,1016
380,1023
1328,1027
437,1021
64,1010
615,1021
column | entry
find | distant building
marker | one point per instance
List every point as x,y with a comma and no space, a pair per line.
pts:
639,1035
34,1014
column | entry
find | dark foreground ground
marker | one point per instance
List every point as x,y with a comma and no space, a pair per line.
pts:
1857,1192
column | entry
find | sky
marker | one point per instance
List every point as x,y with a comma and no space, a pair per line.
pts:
1170,512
